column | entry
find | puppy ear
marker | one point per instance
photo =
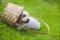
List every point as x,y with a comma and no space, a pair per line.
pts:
25,13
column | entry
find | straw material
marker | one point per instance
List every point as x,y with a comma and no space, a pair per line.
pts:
11,13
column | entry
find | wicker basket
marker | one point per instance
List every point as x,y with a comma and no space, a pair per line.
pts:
11,13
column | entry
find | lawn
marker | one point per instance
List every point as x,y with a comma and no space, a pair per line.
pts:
47,10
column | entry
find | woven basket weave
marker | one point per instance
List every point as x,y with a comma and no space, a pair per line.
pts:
11,13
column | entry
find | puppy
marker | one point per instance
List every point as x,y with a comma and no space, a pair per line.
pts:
32,24
29,22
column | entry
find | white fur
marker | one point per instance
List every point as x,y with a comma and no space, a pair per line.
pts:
33,23
27,16
18,28
25,13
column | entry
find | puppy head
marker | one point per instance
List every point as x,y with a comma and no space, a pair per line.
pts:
25,17
25,13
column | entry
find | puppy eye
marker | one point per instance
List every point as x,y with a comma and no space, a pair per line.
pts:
23,15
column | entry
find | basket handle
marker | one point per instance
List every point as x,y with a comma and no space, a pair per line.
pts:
34,31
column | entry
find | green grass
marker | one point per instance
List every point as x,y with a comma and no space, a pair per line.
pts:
47,10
